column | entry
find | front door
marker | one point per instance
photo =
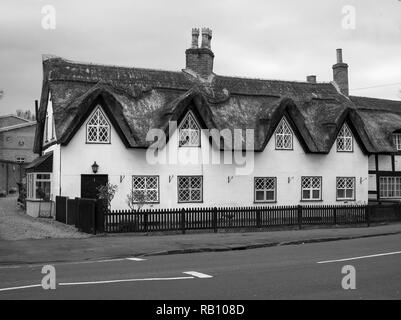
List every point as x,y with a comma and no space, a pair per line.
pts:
90,183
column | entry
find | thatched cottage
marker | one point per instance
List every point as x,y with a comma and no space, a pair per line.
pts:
196,138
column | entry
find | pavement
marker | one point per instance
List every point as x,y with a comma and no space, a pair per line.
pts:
362,268
138,245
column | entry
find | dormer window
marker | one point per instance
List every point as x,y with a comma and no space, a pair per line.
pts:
189,132
397,141
283,136
345,139
98,128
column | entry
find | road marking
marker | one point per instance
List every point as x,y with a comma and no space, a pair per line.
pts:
136,259
362,257
122,280
21,287
198,274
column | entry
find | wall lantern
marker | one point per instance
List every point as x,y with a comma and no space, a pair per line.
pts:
95,167
361,179
290,179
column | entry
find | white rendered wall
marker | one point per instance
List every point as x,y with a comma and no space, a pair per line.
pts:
121,163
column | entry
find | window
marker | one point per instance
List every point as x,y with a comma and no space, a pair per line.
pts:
397,141
390,187
145,189
189,132
311,188
38,186
20,159
190,189
98,128
265,189
283,136
344,139
345,188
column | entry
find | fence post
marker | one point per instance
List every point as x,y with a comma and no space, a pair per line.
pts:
367,214
145,221
335,215
299,216
258,218
215,219
183,220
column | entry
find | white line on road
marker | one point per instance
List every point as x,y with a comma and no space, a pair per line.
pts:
198,274
122,280
136,259
362,257
21,287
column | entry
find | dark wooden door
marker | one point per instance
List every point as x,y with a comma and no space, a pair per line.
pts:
90,183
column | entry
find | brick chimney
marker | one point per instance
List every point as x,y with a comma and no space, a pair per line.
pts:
200,60
340,73
311,79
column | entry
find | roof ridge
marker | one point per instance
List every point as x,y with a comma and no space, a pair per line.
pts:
275,80
52,57
372,98
17,126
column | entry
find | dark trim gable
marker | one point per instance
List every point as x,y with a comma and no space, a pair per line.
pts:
289,110
111,108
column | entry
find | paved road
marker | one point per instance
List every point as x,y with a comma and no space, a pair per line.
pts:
286,272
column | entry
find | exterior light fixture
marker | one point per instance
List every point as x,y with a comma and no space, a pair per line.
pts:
95,167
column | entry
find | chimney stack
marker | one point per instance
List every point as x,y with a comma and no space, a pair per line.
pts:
340,74
311,79
200,60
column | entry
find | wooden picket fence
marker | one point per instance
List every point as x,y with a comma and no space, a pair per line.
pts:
214,218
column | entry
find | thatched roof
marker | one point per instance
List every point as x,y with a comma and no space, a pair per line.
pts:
380,119
137,100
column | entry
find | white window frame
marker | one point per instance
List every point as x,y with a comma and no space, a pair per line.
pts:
311,188
190,189
193,131
98,110
286,132
31,181
397,141
269,184
345,182
345,135
146,189
20,159
390,187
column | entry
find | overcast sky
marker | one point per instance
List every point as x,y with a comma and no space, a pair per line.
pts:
272,39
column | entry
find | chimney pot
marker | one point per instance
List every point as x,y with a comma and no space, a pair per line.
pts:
195,36
206,38
339,55
311,79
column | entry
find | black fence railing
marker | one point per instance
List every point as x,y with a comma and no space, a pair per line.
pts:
182,219
90,216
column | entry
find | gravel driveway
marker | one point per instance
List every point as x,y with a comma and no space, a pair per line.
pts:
16,225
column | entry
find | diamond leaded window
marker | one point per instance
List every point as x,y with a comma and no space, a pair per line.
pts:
344,139
265,189
145,189
345,188
98,128
190,189
189,132
397,141
283,136
311,188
